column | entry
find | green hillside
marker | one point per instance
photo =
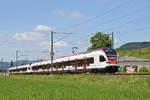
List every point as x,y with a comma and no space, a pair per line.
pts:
134,45
140,53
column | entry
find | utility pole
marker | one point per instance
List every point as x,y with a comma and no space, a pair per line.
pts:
17,51
2,66
110,46
112,41
52,52
11,63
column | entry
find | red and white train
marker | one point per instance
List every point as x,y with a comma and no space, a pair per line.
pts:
100,60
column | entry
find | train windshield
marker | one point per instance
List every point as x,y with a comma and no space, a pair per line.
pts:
111,54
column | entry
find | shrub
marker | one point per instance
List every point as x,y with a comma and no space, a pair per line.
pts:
121,69
143,69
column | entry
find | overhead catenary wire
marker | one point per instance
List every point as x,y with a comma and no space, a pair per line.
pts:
60,39
112,21
93,18
98,16
129,22
126,15
140,29
123,16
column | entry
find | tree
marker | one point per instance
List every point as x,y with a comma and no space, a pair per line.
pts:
100,40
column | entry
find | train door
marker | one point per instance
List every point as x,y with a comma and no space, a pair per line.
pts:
102,61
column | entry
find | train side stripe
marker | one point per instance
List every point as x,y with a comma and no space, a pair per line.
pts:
84,65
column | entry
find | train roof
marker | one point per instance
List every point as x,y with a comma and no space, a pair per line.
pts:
98,49
89,51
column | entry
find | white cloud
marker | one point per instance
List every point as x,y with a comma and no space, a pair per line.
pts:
60,13
43,28
61,44
72,14
29,36
76,15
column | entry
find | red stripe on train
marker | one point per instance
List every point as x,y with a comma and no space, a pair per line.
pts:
76,67
76,63
56,68
112,61
84,65
62,68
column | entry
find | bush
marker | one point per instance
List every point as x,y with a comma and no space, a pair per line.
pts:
143,69
121,69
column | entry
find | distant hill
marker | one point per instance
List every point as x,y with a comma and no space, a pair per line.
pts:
143,53
133,46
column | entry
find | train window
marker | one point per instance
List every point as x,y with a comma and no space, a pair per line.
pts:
90,60
68,63
59,65
65,64
75,62
71,63
54,65
80,62
102,58
39,67
111,54
48,66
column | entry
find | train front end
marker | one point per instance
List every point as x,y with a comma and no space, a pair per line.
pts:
109,60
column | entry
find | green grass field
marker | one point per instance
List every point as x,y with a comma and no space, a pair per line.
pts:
140,53
74,87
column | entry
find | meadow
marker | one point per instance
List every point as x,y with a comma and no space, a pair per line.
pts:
74,87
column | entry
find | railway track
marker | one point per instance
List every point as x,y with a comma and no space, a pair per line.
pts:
122,74
89,74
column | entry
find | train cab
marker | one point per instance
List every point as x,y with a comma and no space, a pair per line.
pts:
109,60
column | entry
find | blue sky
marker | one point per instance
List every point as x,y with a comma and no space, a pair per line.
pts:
25,25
